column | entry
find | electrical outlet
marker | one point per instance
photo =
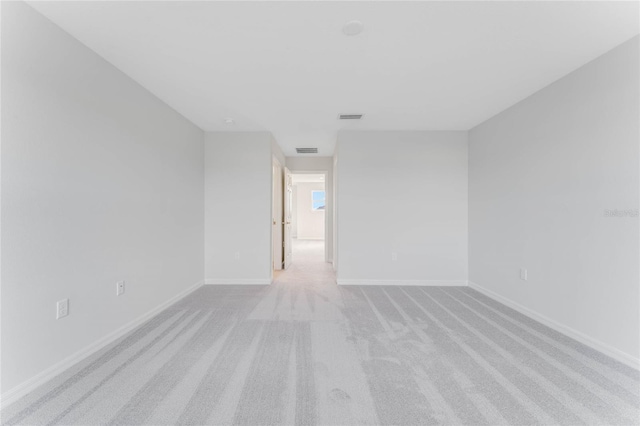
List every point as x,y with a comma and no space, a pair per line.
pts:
394,256
523,274
119,288
237,255
62,308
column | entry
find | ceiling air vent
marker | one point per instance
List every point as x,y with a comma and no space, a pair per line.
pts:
350,116
307,150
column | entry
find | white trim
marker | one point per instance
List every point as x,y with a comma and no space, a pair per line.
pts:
599,346
44,376
237,281
275,162
426,283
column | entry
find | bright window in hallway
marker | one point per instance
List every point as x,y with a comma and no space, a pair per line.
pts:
317,200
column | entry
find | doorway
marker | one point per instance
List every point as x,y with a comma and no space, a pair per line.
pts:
308,217
305,228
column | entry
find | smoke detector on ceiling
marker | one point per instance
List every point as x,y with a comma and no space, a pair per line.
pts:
352,28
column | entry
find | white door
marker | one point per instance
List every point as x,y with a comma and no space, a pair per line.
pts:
277,217
288,204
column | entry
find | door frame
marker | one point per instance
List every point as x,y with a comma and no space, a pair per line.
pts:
276,202
325,173
287,198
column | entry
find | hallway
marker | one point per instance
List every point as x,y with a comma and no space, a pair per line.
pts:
295,292
308,266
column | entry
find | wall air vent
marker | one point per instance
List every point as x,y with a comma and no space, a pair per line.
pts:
307,150
350,116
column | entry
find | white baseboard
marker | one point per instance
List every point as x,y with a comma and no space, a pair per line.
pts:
237,281
41,378
599,346
429,283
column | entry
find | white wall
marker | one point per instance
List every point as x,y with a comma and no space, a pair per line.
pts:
238,179
319,164
101,182
309,223
309,164
542,174
403,193
276,151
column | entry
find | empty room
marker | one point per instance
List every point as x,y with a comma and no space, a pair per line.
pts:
320,213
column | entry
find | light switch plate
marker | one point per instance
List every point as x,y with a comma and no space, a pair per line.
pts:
523,274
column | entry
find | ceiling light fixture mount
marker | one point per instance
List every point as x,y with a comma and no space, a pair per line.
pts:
229,121
352,28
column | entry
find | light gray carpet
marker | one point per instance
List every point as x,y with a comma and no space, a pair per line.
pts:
304,351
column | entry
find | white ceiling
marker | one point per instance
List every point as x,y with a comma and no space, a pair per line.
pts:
287,68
